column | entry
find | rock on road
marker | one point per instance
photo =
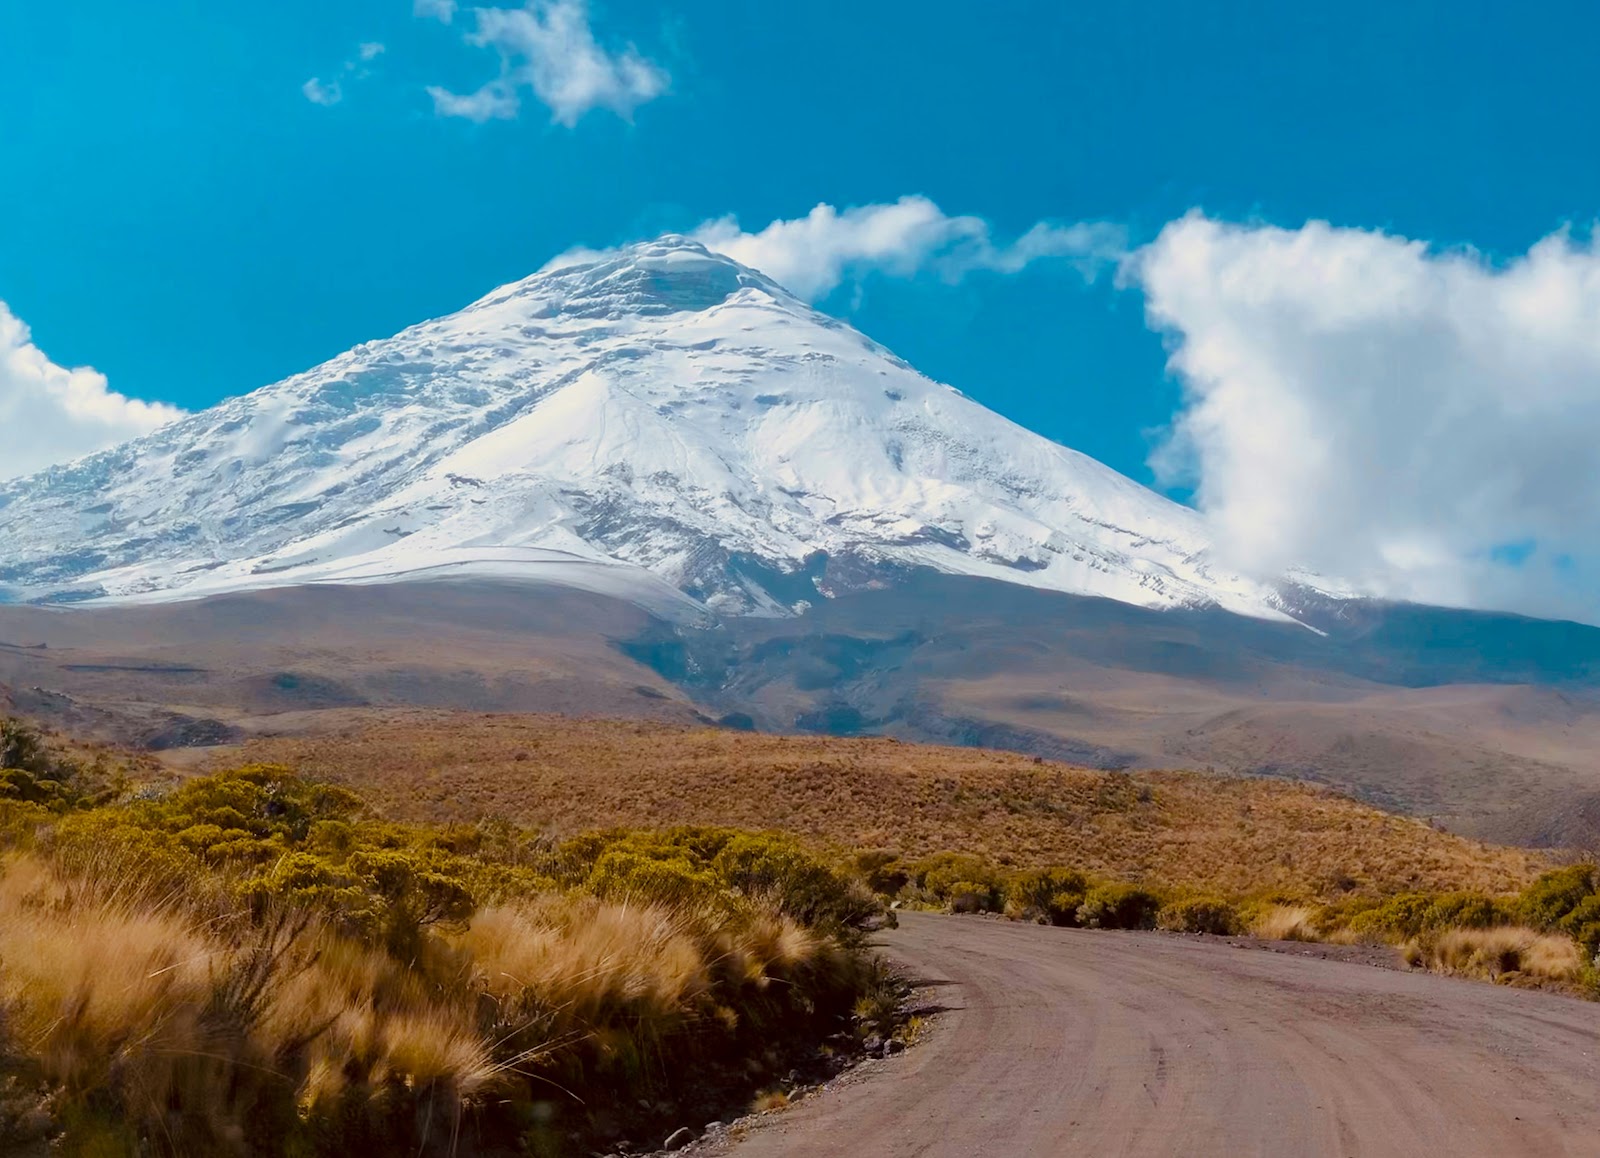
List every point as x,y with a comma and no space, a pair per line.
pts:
1068,1042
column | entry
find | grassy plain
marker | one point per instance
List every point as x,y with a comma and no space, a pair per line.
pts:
1175,829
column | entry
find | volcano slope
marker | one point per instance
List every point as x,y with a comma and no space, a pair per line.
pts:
1487,725
1063,1041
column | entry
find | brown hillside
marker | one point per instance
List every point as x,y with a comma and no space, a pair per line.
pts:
1186,829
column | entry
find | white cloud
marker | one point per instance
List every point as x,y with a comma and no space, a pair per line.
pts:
331,92
320,92
548,47
443,11
54,414
812,255
494,101
1422,423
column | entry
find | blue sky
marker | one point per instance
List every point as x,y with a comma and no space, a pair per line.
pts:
182,216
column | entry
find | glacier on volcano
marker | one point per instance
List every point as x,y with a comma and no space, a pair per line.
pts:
657,422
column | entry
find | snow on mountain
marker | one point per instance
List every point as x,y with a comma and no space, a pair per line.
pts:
657,422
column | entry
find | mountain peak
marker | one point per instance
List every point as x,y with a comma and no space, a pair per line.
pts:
656,420
671,274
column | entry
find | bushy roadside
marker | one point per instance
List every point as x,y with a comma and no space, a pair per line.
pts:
962,883
252,963
1549,934
249,963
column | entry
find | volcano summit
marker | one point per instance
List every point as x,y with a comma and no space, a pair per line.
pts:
658,422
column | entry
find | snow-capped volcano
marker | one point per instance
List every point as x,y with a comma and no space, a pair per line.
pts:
658,421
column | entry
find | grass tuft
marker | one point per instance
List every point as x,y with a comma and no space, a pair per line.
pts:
1275,922
1503,954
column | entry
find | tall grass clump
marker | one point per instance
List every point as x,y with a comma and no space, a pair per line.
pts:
251,964
1283,922
1507,953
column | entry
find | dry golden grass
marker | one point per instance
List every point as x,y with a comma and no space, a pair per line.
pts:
583,959
1284,923
159,1013
111,990
1200,832
769,1101
1506,953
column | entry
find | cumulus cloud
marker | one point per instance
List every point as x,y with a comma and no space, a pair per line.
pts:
320,92
1423,423
812,255
548,47
54,414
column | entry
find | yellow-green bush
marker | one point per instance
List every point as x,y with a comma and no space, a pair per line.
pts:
1114,905
795,881
1199,915
1048,894
882,871
622,874
716,866
1565,901
1582,924
34,772
964,882
1545,903
1466,911
1410,914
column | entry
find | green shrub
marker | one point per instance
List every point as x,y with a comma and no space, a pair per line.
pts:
23,748
1409,915
966,883
31,773
717,866
1465,911
1047,894
33,788
1400,917
1118,906
972,897
1549,899
1582,924
624,875
882,871
795,881
1199,915
21,823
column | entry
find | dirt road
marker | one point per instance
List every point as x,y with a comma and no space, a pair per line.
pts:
1065,1042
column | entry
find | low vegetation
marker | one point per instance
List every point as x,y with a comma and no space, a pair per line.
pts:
1171,830
252,963
255,961
1505,953
1547,934
1177,851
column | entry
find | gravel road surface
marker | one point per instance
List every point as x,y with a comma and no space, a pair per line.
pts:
1068,1042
